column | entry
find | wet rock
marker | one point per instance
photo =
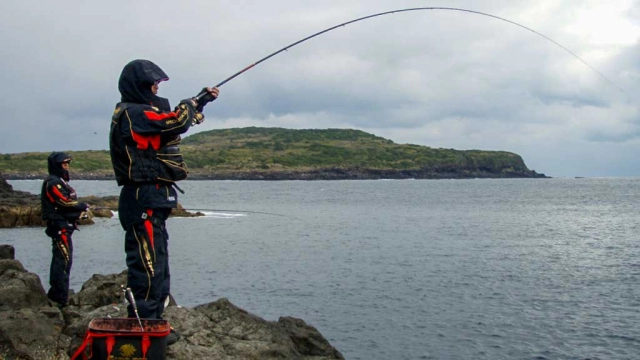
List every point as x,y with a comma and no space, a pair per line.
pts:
18,208
7,252
221,330
30,328
20,288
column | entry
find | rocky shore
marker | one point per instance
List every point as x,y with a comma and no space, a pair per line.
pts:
366,174
452,172
30,328
19,208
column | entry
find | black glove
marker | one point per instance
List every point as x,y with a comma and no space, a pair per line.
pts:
204,99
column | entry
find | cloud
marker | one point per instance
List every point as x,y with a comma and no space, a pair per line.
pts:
436,78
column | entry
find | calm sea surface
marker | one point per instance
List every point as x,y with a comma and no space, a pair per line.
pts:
411,269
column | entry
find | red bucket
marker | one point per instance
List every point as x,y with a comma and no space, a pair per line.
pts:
123,338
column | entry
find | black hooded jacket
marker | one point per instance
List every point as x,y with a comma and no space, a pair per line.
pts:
59,200
144,131
135,84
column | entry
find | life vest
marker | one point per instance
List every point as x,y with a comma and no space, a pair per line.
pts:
143,159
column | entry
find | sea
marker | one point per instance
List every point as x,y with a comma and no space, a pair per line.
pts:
400,269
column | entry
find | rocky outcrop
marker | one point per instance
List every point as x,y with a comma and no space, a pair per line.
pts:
32,329
18,208
469,171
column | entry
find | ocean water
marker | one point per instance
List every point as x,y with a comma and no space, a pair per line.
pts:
410,269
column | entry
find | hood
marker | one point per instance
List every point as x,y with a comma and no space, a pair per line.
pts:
55,161
136,80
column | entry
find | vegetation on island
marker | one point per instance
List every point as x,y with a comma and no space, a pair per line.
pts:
278,153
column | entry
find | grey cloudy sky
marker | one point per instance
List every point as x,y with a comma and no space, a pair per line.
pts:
437,78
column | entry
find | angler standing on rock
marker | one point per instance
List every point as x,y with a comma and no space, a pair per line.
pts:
144,139
61,211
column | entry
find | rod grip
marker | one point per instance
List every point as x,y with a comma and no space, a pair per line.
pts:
199,96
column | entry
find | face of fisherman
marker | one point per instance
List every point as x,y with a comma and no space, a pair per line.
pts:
154,88
65,164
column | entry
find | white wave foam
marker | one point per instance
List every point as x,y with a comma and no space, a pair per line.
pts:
221,215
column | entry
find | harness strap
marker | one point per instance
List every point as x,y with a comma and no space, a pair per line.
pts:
148,216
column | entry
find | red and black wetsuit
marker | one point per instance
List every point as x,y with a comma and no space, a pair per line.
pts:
144,139
61,210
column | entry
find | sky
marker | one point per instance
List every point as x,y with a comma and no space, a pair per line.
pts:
438,78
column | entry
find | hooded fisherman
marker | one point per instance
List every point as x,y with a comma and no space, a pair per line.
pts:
144,138
61,210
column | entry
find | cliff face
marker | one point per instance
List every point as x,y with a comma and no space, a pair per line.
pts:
30,328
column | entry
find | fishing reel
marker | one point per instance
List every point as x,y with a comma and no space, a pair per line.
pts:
197,119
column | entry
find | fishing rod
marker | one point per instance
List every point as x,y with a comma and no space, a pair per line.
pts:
201,94
129,296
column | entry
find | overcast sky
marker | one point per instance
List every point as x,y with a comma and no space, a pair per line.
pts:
437,78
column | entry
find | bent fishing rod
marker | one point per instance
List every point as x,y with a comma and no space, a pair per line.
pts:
201,94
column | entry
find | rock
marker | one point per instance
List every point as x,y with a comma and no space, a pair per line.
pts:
5,188
20,288
18,208
20,215
182,212
32,329
221,330
307,338
29,329
102,207
7,252
100,290
9,197
30,333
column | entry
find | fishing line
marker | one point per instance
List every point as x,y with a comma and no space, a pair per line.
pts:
223,210
247,211
406,10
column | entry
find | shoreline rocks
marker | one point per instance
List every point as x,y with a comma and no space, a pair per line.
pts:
18,208
329,173
23,209
30,328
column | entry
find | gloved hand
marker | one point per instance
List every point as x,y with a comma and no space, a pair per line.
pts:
83,214
209,96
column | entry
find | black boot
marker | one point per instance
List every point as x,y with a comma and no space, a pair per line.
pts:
173,337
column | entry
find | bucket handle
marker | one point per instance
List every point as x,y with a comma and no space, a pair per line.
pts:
83,346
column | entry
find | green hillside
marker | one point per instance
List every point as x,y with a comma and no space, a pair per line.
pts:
277,153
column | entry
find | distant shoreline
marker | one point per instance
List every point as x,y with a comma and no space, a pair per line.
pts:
319,174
